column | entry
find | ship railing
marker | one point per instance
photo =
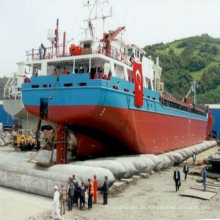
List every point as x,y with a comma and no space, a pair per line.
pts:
186,106
51,52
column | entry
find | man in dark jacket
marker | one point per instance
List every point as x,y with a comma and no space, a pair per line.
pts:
185,170
76,191
105,190
71,190
176,177
82,190
204,177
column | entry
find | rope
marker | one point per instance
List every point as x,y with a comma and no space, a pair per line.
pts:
39,125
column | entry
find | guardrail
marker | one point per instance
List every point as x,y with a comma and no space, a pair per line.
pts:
50,53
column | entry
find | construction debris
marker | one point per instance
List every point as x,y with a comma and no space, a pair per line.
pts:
5,138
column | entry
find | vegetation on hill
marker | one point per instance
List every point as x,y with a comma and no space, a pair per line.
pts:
187,59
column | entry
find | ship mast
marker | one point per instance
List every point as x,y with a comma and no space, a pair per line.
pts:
94,10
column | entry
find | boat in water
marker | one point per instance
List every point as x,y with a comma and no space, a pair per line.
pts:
109,94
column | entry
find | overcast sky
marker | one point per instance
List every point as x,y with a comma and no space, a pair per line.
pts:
24,23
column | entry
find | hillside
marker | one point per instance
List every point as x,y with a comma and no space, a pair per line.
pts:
187,59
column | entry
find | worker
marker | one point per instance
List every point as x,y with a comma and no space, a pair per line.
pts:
204,177
70,188
105,190
185,170
131,59
18,140
56,197
76,190
27,140
55,72
26,79
194,158
90,193
40,52
63,199
100,72
22,144
82,190
176,178
65,72
95,184
81,70
44,49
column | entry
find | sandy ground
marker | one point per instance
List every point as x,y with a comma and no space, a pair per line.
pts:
152,198
16,205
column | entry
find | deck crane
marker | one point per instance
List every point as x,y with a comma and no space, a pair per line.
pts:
192,89
108,37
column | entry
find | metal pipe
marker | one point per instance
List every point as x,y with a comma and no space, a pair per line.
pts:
64,43
57,37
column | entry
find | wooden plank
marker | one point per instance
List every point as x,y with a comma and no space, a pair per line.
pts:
195,193
43,164
201,189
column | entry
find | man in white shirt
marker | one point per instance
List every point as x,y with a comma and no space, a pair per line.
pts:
194,158
56,198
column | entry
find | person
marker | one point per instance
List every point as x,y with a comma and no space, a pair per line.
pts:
65,72
90,193
44,48
82,190
95,184
55,72
100,73
76,190
18,140
185,170
63,198
70,188
131,59
194,158
204,176
27,140
176,177
56,197
26,79
105,190
40,52
81,70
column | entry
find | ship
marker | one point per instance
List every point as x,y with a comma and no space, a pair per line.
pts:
108,93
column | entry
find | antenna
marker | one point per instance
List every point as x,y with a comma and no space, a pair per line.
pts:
194,87
94,9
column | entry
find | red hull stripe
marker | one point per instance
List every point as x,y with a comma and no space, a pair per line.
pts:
143,132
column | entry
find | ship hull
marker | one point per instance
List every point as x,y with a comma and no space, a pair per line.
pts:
143,132
104,110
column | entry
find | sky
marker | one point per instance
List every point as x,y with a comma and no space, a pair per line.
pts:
24,23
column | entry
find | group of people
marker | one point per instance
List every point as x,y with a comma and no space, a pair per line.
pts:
176,174
24,142
75,195
65,71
